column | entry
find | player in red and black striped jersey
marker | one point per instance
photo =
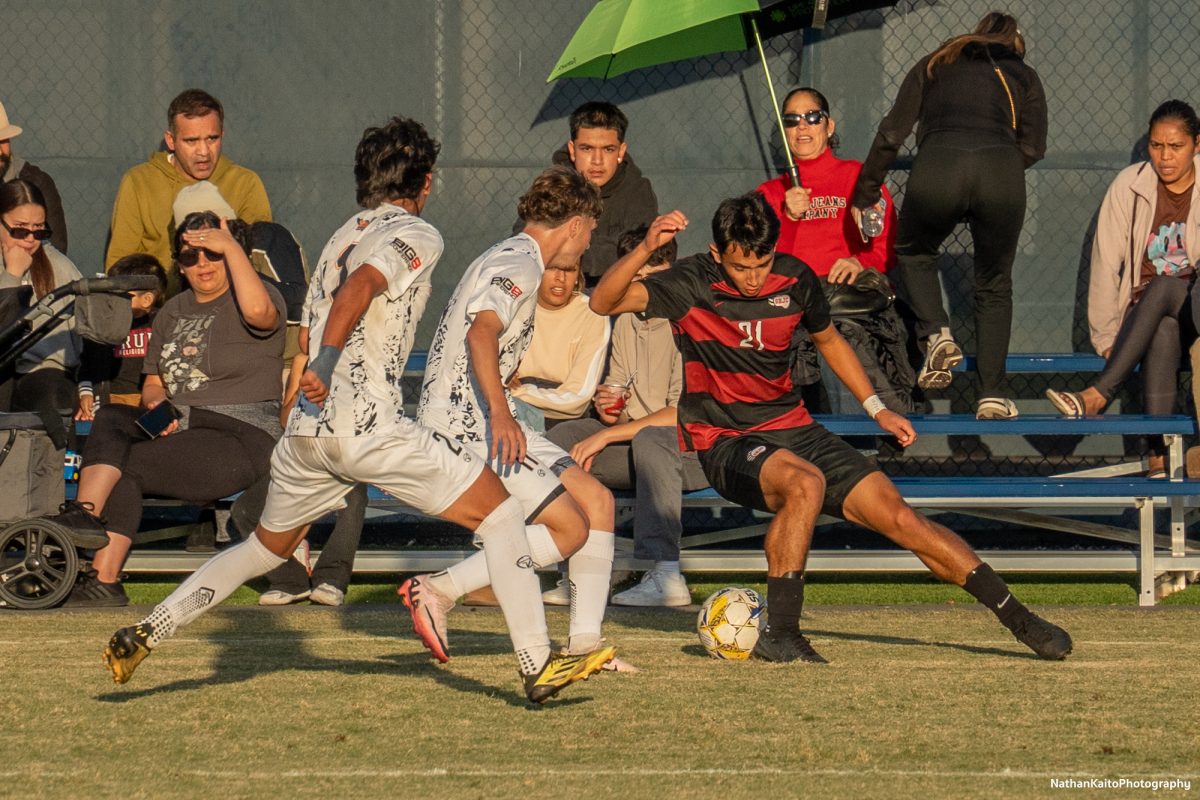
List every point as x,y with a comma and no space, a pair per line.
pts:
734,311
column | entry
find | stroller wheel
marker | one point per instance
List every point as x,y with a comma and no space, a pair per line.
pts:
38,564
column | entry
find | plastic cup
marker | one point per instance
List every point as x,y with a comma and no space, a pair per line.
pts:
622,393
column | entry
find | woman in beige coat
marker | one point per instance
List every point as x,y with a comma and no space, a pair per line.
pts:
1143,267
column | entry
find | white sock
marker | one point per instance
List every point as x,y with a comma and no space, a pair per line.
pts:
515,583
466,576
542,546
666,567
472,573
589,573
215,580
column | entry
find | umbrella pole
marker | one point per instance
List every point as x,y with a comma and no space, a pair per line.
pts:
792,169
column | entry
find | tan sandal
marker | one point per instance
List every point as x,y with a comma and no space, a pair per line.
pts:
1069,404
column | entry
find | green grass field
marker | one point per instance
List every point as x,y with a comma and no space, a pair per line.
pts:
919,701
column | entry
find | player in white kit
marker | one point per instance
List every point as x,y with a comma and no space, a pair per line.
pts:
478,345
368,292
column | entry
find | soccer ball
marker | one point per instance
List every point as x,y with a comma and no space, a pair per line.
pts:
728,623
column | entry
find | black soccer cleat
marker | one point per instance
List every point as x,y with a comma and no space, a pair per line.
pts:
786,645
126,649
1044,638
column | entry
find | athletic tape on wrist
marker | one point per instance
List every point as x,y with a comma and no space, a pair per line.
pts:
873,405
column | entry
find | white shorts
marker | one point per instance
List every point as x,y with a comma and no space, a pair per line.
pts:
311,474
533,482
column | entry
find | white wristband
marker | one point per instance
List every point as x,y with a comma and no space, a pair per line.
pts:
873,405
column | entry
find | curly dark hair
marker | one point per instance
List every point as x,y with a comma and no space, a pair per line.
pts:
556,195
746,221
392,162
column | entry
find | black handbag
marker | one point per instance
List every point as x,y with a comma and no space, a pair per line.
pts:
870,293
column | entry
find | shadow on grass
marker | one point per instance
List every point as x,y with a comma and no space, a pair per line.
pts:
246,657
907,642
699,651
462,683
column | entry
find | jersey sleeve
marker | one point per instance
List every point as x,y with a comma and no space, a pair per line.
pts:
402,254
811,298
671,292
504,283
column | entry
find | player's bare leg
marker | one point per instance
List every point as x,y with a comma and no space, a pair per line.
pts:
795,490
875,503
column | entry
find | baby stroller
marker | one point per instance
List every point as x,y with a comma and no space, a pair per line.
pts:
39,560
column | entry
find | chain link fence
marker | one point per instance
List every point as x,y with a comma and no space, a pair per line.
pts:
90,83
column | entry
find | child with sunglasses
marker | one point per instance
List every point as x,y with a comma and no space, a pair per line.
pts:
44,380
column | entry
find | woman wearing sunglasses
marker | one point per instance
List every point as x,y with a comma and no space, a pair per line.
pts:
981,122
45,373
1140,307
815,221
817,227
214,355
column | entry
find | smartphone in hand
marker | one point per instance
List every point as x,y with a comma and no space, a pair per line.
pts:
155,421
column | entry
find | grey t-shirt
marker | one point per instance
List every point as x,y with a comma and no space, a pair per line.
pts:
206,355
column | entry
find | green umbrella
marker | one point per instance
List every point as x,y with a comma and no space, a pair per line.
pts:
622,35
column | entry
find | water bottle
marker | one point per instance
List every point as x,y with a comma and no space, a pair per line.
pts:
872,219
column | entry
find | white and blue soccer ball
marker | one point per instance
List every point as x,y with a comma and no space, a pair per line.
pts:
728,623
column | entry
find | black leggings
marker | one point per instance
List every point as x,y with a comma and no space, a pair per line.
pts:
984,184
216,456
1155,334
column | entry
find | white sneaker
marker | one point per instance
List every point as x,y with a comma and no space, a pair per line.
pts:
560,595
941,354
327,595
278,597
996,408
656,589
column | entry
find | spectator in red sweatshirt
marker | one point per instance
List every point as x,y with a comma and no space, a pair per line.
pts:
816,225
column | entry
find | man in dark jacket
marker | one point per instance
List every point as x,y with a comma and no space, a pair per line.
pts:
13,167
597,149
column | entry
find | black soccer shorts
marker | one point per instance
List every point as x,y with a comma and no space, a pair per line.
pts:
732,465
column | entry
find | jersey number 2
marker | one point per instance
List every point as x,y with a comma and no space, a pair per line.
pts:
753,333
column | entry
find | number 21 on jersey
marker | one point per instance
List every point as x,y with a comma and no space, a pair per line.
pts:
751,334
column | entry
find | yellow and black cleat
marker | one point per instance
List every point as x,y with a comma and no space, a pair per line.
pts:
125,650
562,670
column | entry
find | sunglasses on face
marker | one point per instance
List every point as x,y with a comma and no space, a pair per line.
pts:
40,234
809,117
190,258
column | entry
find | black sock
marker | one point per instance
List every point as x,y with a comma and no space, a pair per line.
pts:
785,601
991,590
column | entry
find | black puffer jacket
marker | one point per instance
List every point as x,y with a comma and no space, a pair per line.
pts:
879,341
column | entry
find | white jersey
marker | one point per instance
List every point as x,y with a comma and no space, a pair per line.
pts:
365,398
504,280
